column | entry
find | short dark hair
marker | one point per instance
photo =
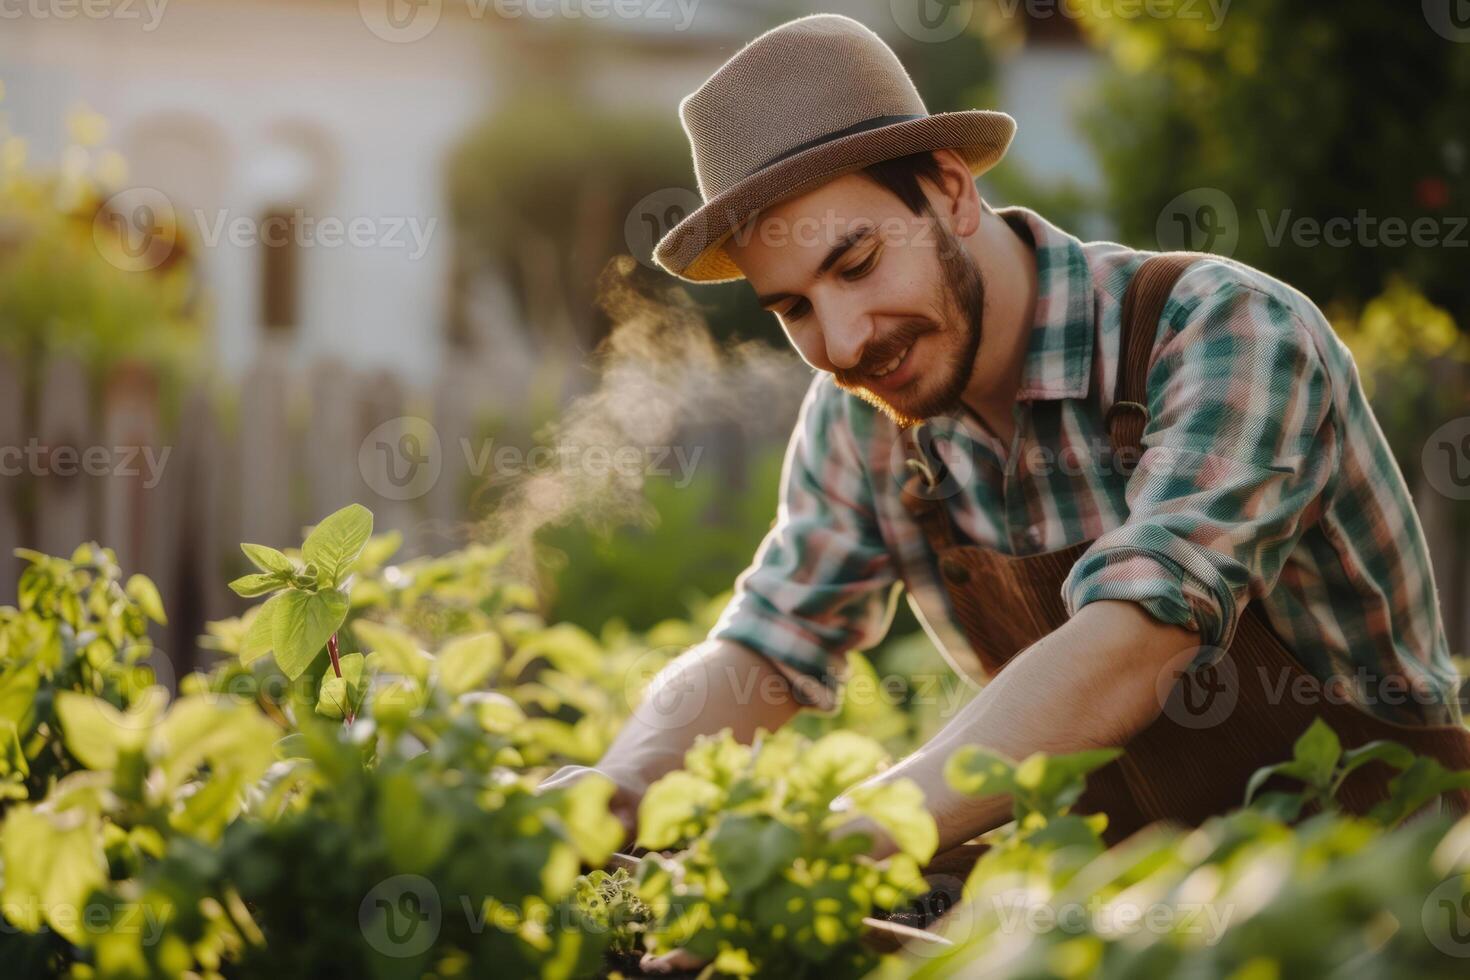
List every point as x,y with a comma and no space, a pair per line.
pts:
901,176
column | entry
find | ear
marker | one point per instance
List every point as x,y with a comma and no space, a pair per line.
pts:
959,199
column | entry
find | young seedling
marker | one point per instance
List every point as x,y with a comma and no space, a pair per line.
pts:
308,604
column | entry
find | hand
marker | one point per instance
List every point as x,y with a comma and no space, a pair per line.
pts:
627,793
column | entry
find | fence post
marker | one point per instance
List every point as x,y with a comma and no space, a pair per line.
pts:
64,427
12,439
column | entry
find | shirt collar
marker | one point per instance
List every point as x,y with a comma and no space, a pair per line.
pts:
1059,355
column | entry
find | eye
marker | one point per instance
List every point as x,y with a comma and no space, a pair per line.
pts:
862,268
797,310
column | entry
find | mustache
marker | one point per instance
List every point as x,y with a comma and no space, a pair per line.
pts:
879,352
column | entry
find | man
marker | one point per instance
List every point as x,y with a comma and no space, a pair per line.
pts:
1100,491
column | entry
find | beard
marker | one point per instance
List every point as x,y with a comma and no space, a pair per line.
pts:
959,314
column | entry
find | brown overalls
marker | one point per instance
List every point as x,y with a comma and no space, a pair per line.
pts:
1222,722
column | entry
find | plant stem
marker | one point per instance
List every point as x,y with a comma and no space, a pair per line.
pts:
347,715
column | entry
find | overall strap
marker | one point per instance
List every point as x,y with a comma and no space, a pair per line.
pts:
1143,307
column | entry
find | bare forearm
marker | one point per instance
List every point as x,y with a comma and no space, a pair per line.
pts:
709,687
1091,683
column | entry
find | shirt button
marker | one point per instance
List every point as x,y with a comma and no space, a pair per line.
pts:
954,570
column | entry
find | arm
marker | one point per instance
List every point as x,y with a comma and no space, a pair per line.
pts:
717,684
1091,683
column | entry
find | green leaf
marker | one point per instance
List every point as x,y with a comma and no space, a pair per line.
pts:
140,589
974,770
301,626
393,651
52,864
1259,778
1411,789
668,810
836,761
898,807
464,663
257,640
94,731
254,584
752,849
339,695
337,541
1392,753
593,831
1318,750
268,559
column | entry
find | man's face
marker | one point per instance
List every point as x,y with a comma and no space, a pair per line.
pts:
889,302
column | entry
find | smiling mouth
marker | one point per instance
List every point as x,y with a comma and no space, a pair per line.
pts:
893,365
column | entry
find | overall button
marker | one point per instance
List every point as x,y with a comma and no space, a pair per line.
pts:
954,570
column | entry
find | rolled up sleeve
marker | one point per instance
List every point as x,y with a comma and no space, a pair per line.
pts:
817,586
1240,449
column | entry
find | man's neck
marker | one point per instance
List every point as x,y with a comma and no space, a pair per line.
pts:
1008,262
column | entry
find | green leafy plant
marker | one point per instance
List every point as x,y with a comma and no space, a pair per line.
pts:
308,603
755,881
1321,765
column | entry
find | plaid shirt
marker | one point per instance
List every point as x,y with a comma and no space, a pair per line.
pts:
1265,477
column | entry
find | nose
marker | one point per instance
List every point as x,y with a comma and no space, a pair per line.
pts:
846,337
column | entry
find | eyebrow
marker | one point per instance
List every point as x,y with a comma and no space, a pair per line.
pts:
852,238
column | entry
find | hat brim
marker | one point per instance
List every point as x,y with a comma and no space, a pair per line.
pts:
694,249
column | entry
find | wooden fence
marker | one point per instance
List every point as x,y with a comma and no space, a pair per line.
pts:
173,482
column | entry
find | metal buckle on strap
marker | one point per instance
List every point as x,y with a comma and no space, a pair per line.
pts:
1134,406
922,467
918,462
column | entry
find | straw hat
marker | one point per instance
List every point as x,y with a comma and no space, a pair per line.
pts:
803,103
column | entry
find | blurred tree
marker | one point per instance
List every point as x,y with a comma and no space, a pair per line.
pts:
1280,117
82,274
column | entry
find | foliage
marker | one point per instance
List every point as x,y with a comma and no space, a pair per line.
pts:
758,884
78,629
59,293
1245,895
386,821
1242,107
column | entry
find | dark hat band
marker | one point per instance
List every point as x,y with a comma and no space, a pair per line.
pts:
876,122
